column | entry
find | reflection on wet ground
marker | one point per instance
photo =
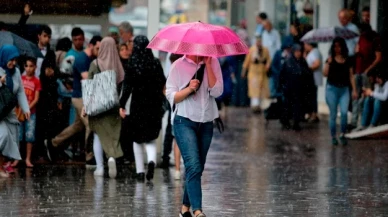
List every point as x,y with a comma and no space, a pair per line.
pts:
251,171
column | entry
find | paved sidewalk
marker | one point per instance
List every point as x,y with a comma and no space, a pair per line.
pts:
251,171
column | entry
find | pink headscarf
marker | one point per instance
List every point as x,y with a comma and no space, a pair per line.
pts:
109,59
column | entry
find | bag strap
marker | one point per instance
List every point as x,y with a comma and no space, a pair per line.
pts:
199,76
98,68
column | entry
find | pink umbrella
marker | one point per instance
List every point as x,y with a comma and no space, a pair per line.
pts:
198,39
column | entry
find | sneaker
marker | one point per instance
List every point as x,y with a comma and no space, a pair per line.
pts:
361,128
99,172
343,140
334,141
201,215
90,161
112,168
150,172
47,149
177,175
186,214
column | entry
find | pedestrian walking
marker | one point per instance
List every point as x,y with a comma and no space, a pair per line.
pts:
193,122
47,111
339,72
11,79
256,66
293,78
107,125
144,84
80,72
314,61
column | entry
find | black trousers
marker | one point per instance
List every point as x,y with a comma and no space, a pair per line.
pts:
168,139
291,107
126,140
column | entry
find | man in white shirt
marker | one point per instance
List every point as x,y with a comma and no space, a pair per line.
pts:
344,18
271,38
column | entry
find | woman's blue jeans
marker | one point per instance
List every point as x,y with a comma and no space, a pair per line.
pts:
193,140
337,96
366,114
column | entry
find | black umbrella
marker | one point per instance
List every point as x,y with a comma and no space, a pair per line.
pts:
25,47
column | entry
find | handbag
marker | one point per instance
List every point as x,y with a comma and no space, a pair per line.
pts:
100,93
19,114
8,101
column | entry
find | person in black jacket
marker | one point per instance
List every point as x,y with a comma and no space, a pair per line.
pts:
294,75
47,107
145,82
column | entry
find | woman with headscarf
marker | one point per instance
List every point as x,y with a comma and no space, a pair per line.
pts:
107,126
257,64
47,112
145,82
11,78
294,75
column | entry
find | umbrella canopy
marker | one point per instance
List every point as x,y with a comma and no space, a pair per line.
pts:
198,39
24,46
328,34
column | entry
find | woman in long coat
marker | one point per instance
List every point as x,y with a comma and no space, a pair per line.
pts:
11,78
145,81
257,64
107,126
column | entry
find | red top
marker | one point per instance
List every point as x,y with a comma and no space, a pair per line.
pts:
31,85
367,52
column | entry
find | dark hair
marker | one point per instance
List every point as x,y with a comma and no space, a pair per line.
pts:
365,27
31,59
314,45
77,32
95,39
64,44
123,45
366,9
262,15
44,28
344,48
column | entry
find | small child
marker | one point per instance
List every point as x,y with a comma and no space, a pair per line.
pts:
32,88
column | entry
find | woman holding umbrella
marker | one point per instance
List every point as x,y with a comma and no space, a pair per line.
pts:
194,82
11,78
195,110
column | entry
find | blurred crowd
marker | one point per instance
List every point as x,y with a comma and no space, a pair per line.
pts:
284,70
288,72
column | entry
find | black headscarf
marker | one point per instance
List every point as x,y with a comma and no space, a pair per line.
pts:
49,84
142,58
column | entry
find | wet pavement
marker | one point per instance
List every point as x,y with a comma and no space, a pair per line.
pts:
252,170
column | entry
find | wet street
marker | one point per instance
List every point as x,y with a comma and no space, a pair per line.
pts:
251,171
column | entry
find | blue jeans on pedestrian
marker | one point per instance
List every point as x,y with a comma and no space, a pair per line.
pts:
27,130
193,140
367,117
337,96
361,81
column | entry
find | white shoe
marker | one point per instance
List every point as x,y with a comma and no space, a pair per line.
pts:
177,175
99,172
112,168
358,129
